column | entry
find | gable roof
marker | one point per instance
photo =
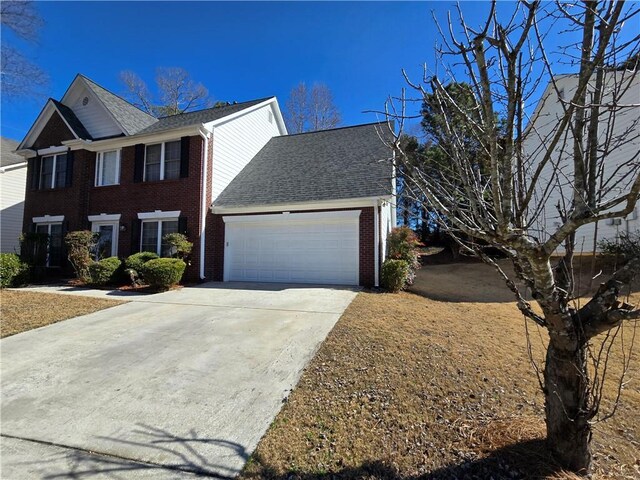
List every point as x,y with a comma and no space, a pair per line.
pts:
128,116
7,157
199,116
343,163
74,123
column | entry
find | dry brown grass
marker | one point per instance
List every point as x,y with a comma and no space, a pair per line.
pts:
21,311
410,387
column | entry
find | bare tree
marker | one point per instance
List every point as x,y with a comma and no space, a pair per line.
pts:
20,76
533,181
311,110
178,93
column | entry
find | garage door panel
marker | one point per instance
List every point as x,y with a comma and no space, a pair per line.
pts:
324,251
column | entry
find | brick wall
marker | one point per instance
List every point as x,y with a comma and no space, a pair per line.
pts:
82,198
216,241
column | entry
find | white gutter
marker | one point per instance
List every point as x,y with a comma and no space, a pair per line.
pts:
310,205
376,241
203,202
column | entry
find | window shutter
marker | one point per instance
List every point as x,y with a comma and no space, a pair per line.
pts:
184,157
34,170
136,225
69,179
64,260
138,167
182,225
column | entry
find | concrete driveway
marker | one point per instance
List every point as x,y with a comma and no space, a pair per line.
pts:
171,385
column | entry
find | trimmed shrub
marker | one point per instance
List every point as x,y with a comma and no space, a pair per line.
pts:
13,271
104,271
137,260
80,244
162,273
180,246
403,244
394,275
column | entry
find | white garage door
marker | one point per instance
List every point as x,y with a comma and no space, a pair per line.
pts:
293,248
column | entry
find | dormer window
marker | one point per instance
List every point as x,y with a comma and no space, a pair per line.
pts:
162,161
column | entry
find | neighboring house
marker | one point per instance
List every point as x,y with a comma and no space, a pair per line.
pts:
555,188
13,179
257,204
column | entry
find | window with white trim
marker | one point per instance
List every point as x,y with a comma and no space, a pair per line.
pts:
53,171
153,232
54,248
162,161
107,241
108,168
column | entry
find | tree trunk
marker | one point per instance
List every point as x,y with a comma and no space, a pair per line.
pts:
566,404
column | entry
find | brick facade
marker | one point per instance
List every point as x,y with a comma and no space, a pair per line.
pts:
82,198
215,248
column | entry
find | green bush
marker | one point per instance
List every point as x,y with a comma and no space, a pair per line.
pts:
623,248
395,274
162,273
79,247
104,271
180,246
13,271
137,260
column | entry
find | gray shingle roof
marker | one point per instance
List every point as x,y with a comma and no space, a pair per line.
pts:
7,157
199,116
343,163
72,120
130,117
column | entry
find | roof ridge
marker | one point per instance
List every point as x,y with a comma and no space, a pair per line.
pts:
116,95
258,100
329,129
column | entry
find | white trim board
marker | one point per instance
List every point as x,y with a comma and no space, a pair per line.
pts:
293,217
316,205
158,214
103,217
48,219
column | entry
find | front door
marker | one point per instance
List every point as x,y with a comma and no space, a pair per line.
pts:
107,245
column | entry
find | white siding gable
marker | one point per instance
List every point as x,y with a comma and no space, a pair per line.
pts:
12,189
236,142
94,116
550,194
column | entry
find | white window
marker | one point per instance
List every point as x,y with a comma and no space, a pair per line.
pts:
54,249
108,168
107,245
53,171
153,231
162,161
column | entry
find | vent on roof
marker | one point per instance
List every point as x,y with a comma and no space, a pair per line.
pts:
270,116
85,100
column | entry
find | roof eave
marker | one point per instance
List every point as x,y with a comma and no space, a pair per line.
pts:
369,201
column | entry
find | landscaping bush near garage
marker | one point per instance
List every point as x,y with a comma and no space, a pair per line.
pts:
13,271
105,271
394,275
162,273
403,244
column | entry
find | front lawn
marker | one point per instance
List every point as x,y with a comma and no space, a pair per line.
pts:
406,387
21,311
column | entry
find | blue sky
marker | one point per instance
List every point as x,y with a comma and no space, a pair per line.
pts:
239,51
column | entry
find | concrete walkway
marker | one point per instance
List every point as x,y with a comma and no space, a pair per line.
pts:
170,385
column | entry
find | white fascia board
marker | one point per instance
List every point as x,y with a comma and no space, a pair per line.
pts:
279,118
120,142
158,214
103,217
53,150
325,204
48,219
13,166
242,112
294,217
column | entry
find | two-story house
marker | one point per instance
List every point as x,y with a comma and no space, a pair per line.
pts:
258,204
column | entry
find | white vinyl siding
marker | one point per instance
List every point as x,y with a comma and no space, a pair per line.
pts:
12,188
545,124
235,143
95,118
108,168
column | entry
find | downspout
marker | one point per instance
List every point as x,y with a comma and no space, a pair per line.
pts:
203,203
376,242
